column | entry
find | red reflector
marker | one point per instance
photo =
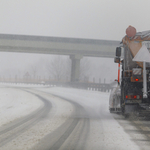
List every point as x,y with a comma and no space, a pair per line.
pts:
126,96
134,96
136,79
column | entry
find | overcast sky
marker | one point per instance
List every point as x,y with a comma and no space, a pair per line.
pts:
96,19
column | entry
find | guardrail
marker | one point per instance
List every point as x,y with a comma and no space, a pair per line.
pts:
104,87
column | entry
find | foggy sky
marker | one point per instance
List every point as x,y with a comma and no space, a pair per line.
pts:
94,19
98,19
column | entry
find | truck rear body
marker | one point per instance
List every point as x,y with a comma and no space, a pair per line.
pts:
133,75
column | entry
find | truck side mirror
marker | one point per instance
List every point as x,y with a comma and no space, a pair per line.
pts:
118,51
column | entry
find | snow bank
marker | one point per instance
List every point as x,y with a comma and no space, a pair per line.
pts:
59,113
15,103
29,85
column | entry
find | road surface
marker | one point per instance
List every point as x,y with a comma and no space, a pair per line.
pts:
54,118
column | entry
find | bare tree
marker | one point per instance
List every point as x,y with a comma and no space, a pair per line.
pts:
56,68
33,71
60,68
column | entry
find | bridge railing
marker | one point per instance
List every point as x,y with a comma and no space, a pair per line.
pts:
104,87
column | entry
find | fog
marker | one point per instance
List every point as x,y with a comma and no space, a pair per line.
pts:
96,19
17,64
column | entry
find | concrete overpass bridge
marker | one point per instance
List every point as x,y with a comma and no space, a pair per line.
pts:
76,48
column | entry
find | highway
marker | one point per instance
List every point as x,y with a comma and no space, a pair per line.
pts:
70,119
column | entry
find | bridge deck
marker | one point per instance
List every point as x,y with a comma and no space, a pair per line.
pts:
57,45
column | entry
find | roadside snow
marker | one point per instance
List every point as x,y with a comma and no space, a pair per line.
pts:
30,85
15,103
59,113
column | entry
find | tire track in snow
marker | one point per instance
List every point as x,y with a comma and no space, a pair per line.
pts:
70,135
14,129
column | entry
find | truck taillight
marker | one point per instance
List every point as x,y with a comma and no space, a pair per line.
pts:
133,97
136,79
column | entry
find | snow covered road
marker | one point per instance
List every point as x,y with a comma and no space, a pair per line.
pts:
64,118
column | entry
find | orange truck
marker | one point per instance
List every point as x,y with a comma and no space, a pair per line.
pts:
134,57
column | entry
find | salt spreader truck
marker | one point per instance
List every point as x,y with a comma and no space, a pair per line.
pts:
135,72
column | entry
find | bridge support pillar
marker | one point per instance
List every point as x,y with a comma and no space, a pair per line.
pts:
75,67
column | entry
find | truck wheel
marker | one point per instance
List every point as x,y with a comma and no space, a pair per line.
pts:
110,110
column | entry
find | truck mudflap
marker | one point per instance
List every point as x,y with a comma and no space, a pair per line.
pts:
129,109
